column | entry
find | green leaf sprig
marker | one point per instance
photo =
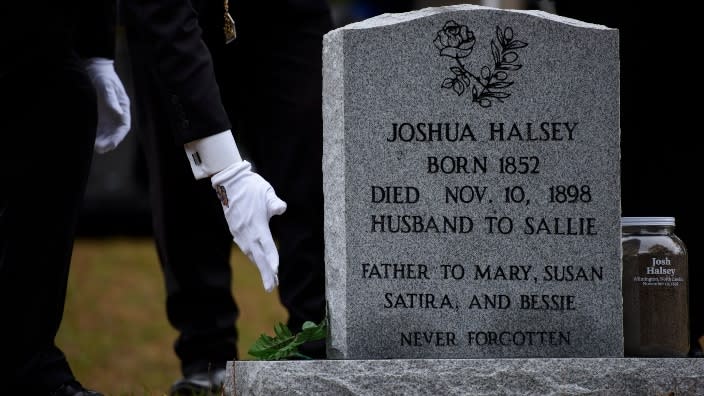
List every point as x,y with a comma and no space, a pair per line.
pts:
284,344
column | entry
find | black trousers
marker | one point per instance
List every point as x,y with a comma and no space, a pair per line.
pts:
47,130
271,83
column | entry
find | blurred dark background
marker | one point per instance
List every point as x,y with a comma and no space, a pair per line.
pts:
659,76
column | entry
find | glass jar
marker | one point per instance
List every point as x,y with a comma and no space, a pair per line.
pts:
655,288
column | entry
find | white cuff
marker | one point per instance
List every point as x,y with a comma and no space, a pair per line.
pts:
212,154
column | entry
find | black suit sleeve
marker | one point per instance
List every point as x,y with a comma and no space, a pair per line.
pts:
41,31
169,38
95,30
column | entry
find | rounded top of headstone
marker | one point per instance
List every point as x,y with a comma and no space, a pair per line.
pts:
394,18
646,221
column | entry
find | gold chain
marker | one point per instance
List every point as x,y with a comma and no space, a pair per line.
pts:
229,27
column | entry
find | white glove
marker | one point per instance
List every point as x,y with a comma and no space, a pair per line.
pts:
113,104
249,202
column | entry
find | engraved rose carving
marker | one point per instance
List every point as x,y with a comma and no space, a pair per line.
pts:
454,40
491,84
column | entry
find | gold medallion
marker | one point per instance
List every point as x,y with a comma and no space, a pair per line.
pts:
229,27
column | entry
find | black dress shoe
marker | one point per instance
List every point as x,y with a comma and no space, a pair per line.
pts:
200,384
73,388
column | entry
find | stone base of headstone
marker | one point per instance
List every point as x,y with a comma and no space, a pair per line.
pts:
568,376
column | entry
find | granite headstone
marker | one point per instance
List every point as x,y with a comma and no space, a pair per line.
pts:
471,181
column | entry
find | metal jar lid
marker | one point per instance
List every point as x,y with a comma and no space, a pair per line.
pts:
647,221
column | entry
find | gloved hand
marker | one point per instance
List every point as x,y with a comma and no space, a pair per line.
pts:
249,202
113,104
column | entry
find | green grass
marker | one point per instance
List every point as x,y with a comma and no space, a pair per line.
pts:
115,333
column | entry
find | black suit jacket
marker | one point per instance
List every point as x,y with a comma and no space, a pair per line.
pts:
167,36
171,37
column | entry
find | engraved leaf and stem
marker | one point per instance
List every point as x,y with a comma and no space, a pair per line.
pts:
489,85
